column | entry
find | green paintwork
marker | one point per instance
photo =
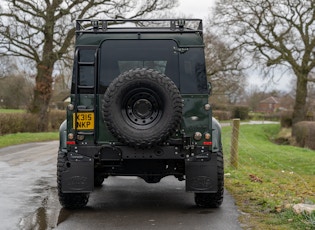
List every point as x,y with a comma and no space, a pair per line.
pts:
183,40
195,117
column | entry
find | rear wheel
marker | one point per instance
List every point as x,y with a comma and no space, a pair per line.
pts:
68,200
213,200
98,180
152,179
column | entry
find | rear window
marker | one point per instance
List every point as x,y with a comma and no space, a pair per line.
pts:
185,67
193,72
157,65
119,56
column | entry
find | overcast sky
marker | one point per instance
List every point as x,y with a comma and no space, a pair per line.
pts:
195,8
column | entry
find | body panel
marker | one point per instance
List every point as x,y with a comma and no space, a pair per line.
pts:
172,62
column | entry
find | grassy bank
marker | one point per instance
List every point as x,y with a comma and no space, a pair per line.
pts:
21,138
269,179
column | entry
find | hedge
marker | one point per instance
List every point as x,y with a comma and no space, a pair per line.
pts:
286,119
26,122
304,134
221,115
56,117
240,112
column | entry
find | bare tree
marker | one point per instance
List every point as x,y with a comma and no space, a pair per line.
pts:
43,31
275,33
8,67
224,69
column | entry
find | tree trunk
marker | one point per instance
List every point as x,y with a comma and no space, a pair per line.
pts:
299,111
42,95
44,80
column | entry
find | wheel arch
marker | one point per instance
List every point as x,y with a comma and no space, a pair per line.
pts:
63,135
216,136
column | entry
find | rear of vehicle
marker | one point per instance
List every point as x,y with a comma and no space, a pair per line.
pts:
139,107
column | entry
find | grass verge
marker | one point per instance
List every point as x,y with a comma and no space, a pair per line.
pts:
21,138
12,111
270,178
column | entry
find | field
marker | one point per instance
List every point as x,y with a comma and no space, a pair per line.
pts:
270,179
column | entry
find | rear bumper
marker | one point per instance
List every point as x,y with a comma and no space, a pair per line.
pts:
197,165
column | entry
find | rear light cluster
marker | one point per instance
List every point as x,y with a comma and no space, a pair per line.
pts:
79,137
206,136
72,140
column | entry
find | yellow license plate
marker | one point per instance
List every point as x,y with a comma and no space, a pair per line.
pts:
85,121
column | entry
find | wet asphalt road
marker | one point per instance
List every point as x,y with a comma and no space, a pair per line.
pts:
29,199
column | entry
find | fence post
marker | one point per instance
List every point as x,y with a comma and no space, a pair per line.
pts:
234,142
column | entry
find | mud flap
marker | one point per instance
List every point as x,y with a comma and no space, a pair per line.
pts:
201,174
79,175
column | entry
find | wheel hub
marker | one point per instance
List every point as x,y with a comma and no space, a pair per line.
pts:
142,108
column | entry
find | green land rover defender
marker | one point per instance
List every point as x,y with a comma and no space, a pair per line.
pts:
139,107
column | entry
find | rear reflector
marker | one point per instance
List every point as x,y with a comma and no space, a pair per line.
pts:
70,142
207,143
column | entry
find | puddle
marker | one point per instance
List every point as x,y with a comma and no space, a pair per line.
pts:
205,212
63,215
47,216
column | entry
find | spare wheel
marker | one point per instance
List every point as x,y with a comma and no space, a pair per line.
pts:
142,107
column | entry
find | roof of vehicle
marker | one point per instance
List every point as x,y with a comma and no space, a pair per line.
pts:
94,32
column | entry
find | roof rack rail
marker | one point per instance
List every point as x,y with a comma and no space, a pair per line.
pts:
145,25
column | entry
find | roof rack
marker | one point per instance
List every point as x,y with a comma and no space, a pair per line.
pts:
139,25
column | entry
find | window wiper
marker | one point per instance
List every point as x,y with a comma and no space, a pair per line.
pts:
180,50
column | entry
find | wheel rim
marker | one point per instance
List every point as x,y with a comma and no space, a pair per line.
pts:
142,108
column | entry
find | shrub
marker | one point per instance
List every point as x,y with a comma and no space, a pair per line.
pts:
56,117
26,122
264,116
221,115
286,119
304,134
256,116
272,117
18,122
240,112
220,107
310,116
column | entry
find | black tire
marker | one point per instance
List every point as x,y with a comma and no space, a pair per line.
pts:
142,107
152,179
213,200
98,180
69,200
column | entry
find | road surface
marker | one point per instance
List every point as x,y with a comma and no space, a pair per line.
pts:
29,199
